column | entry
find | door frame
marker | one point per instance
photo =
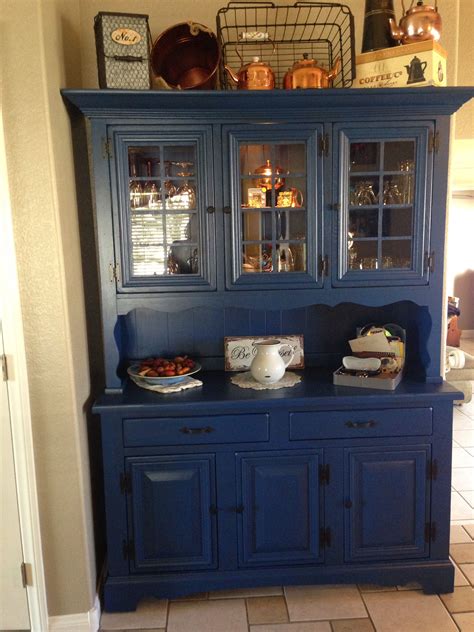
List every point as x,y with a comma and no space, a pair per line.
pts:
20,413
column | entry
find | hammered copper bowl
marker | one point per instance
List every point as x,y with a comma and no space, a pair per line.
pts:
187,56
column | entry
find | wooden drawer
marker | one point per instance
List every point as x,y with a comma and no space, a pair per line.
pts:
363,423
194,430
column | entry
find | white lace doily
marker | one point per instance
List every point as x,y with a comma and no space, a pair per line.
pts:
189,382
245,380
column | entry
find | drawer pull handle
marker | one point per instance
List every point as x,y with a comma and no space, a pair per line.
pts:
361,424
193,431
211,209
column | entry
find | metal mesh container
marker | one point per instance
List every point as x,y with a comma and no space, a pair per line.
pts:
123,50
281,35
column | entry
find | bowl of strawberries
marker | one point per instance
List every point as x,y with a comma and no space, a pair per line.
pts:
164,370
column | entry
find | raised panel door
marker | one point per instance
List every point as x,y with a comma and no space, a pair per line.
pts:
387,499
279,508
171,526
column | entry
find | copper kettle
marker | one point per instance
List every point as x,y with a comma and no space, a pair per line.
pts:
257,75
307,74
420,23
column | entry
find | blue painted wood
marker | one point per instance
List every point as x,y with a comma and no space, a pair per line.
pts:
246,104
200,331
360,424
171,524
378,132
279,512
267,441
126,137
388,499
195,430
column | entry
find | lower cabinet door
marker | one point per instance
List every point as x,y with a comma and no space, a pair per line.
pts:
279,508
170,521
388,503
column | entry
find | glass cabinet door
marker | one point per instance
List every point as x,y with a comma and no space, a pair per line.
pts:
275,210
163,222
384,192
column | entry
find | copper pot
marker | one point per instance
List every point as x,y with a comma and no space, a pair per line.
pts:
266,171
257,75
186,56
307,74
418,24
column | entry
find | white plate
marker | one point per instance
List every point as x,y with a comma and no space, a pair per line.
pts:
165,381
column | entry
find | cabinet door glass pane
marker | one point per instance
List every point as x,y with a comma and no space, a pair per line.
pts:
381,200
272,197
164,223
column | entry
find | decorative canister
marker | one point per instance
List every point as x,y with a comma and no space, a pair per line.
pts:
376,33
268,366
123,50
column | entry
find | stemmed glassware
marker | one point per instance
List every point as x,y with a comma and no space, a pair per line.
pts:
150,191
135,187
186,192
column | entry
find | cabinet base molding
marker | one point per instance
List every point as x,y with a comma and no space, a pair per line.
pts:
123,593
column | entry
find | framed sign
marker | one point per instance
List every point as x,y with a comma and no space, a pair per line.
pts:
239,351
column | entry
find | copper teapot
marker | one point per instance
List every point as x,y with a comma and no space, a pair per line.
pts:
307,74
257,75
420,23
265,172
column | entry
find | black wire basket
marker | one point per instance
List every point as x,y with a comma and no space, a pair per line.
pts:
280,35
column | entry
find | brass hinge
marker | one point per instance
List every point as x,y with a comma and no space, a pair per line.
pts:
125,483
4,367
114,272
324,474
432,470
324,145
106,148
128,550
325,537
26,574
323,265
429,260
430,531
433,142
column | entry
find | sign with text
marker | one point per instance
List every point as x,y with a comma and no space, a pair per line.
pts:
239,351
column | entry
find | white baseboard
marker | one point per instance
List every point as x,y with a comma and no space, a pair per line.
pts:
81,622
467,334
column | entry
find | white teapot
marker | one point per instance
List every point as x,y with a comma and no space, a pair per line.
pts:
268,366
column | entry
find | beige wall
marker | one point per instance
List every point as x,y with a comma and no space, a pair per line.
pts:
46,45
40,52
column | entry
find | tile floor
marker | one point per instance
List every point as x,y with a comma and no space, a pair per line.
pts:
358,608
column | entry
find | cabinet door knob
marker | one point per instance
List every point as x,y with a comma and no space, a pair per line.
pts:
239,509
348,504
211,209
205,430
361,424
227,210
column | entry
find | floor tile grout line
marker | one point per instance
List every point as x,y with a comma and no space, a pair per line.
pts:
366,608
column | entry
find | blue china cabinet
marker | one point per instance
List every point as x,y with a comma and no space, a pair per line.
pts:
282,212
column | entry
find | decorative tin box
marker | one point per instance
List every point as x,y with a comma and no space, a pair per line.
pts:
386,380
406,66
123,46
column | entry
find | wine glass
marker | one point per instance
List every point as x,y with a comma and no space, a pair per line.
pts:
135,186
186,191
150,190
